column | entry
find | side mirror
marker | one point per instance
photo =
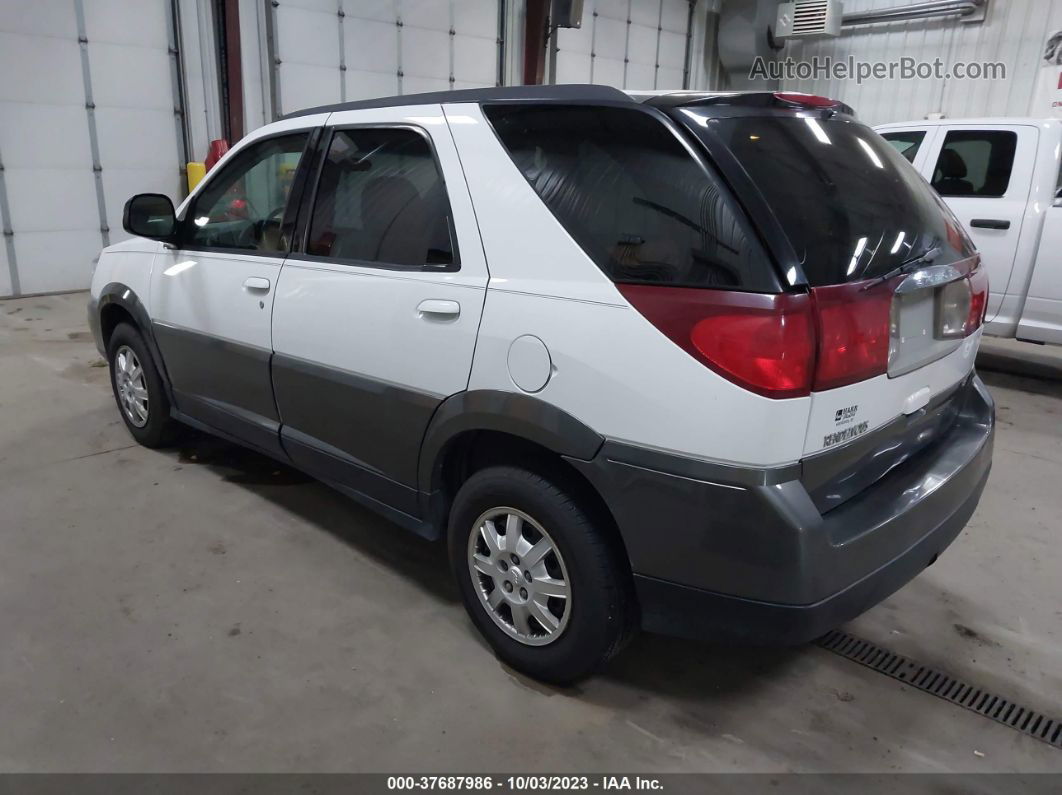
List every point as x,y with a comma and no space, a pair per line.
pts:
150,215
1058,197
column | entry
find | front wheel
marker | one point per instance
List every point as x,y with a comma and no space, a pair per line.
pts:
138,389
541,579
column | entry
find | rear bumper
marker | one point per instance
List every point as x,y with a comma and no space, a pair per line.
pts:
722,553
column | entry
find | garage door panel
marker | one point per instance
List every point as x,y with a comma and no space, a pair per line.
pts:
640,76
608,71
668,78
39,18
612,9
417,85
573,68
43,199
475,60
674,16
641,45
44,136
477,18
126,22
646,12
56,260
365,85
672,50
136,138
307,37
425,14
610,38
380,10
304,86
46,68
321,6
371,46
574,40
147,85
425,53
121,184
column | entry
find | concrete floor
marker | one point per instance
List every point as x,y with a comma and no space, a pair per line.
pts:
205,609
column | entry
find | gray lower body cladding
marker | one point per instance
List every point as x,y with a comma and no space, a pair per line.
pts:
745,554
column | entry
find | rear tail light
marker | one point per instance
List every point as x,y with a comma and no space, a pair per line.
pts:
978,280
854,327
765,343
791,344
961,305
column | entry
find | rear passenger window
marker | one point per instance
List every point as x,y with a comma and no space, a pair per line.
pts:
640,206
906,143
975,163
381,200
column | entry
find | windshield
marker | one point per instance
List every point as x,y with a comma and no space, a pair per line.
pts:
850,204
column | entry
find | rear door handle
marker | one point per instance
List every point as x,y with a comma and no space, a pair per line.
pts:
256,283
437,308
990,223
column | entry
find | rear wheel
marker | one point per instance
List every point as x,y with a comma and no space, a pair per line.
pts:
540,578
138,389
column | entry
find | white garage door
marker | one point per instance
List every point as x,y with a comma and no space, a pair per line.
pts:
329,51
636,44
86,120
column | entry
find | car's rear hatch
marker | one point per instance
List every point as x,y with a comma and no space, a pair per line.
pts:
895,283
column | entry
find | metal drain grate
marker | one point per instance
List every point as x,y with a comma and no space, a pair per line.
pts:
937,683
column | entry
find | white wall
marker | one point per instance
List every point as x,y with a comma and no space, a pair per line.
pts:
54,197
1013,33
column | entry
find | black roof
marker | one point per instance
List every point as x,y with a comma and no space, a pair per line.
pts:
575,92
715,102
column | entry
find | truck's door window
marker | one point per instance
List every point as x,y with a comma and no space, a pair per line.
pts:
243,206
906,143
975,163
381,200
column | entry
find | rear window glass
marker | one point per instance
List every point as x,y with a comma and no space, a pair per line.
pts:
627,190
381,200
906,143
850,204
975,163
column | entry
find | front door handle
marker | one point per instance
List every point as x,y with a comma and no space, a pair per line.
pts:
256,283
990,223
438,308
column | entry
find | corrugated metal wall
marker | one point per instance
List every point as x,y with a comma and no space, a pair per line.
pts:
1012,34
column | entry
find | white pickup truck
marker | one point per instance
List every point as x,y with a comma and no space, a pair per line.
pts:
1003,180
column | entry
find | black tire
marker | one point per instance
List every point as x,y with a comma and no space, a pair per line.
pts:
602,611
160,427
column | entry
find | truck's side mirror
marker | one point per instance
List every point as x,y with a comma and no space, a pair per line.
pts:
150,215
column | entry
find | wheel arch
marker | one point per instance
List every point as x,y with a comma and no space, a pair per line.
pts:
480,428
117,303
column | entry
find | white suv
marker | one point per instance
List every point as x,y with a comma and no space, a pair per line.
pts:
700,364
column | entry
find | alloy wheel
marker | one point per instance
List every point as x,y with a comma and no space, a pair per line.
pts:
131,386
519,576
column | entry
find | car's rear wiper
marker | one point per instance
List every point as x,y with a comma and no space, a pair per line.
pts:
906,266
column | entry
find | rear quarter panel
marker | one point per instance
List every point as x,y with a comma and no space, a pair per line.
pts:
611,369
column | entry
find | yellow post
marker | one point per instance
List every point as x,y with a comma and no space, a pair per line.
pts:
196,172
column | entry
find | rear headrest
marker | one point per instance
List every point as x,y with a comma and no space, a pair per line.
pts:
951,165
